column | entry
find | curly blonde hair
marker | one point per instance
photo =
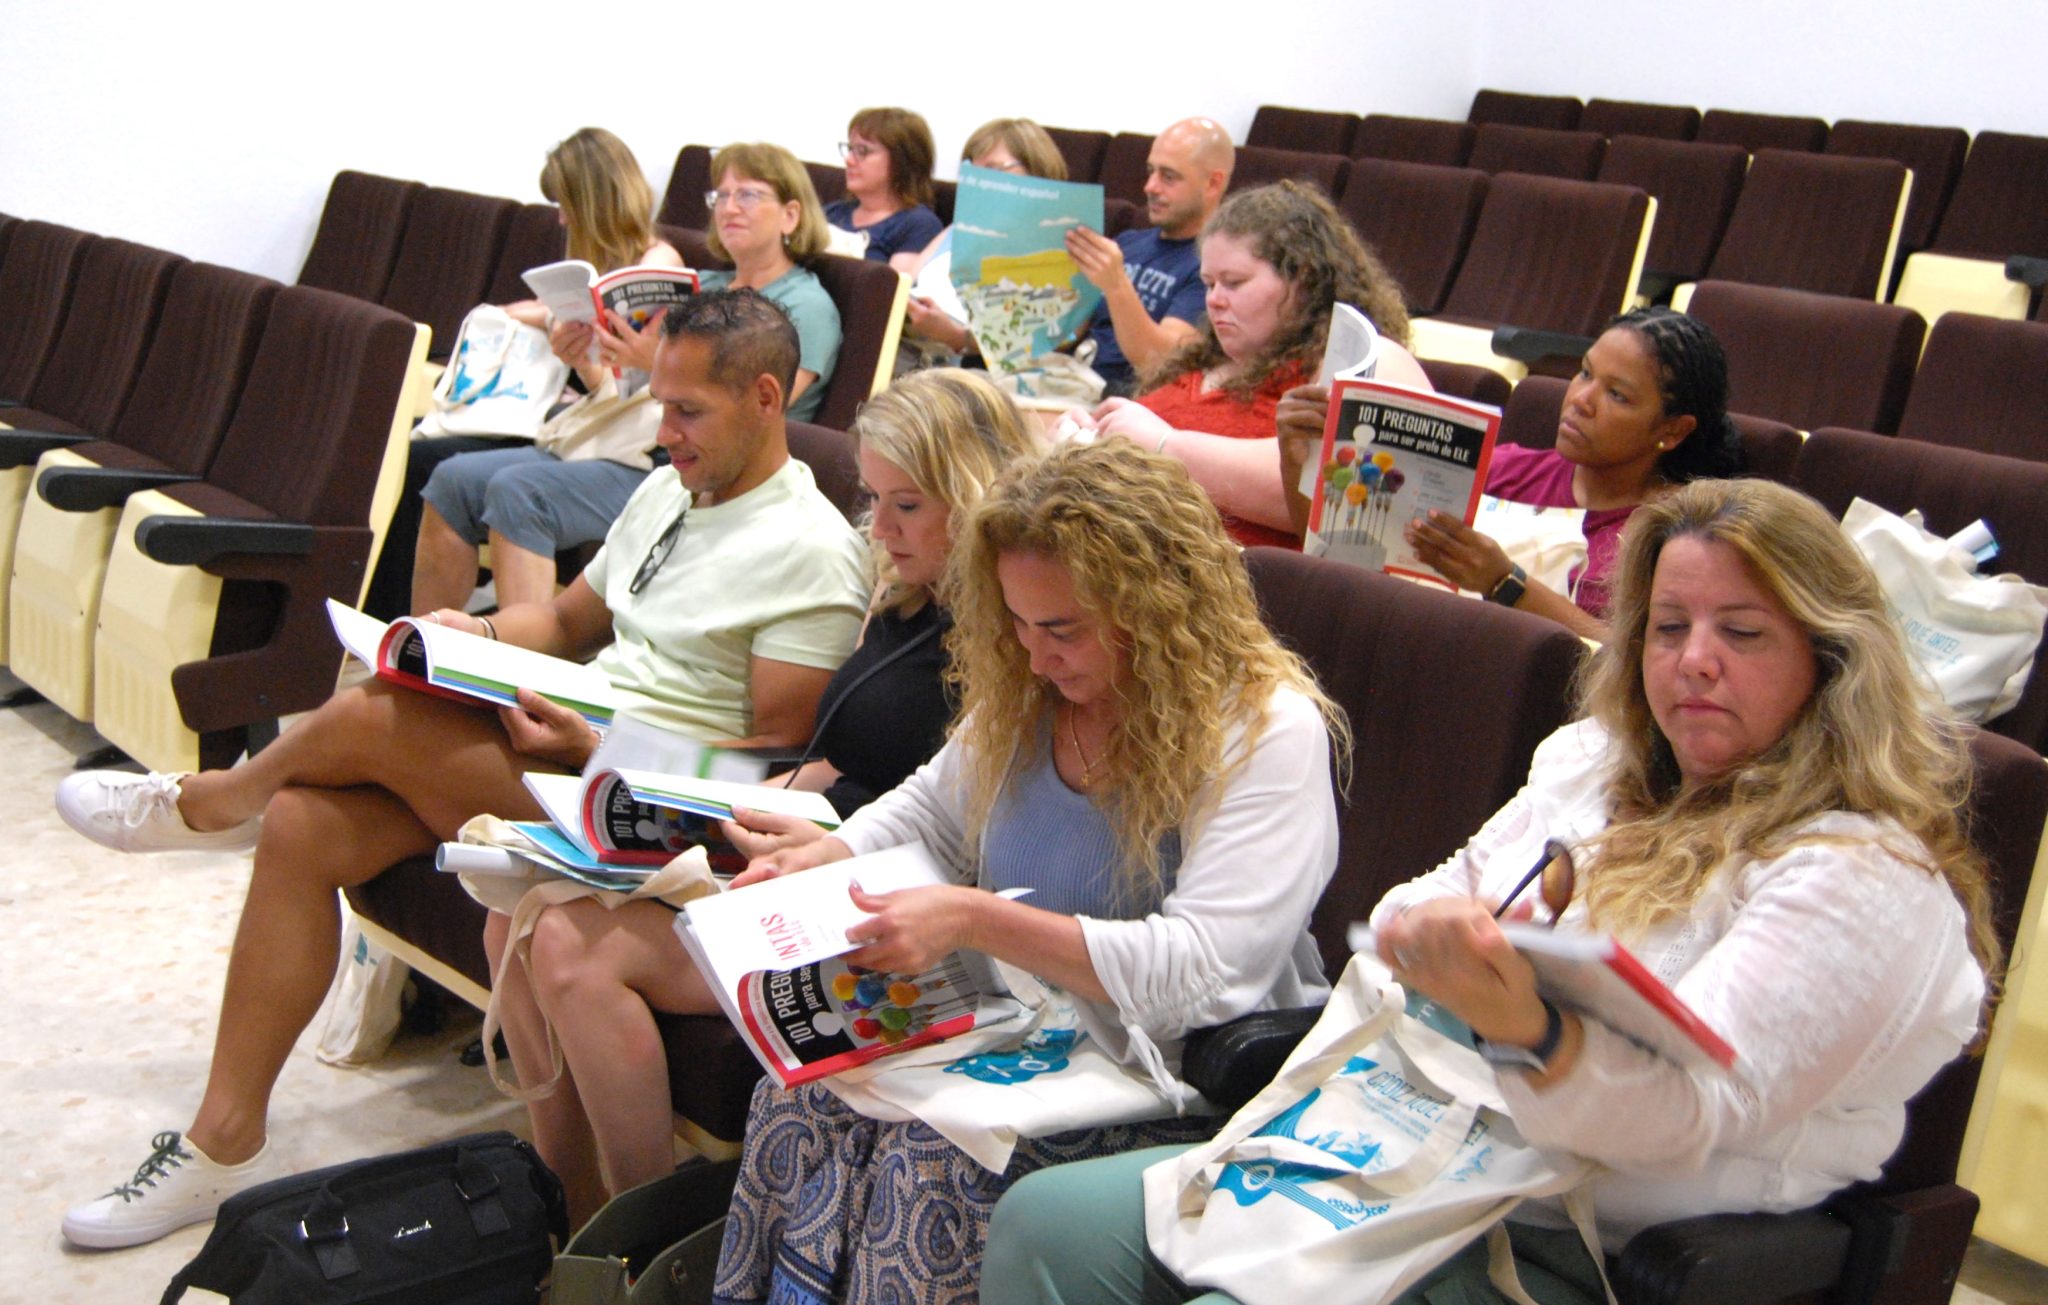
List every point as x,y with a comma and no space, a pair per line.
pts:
951,431
1870,740
779,170
1150,562
606,202
1295,228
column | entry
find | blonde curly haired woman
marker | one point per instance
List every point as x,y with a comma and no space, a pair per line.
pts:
1134,748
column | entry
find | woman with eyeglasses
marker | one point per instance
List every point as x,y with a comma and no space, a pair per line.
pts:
889,155
1767,808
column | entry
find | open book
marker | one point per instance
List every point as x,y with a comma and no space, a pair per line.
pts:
456,664
773,953
1024,294
617,816
574,292
1389,455
1595,974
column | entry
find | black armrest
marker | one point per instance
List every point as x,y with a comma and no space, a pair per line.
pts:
195,541
2026,269
1732,1259
88,489
1230,1063
10,403
1525,345
21,448
1656,287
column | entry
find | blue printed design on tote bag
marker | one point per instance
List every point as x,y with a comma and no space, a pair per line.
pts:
1044,1052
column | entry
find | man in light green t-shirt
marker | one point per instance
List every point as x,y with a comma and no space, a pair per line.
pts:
722,601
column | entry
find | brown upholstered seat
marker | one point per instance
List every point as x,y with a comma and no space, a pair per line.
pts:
1313,131
828,179
1763,131
535,237
1631,118
92,366
1082,150
357,241
943,193
1122,171
1695,187
1549,254
2000,204
1517,109
682,204
870,297
1770,449
1983,385
1813,360
1258,166
1543,151
1935,155
1464,381
1819,222
445,260
1419,218
35,288
1951,488
1413,140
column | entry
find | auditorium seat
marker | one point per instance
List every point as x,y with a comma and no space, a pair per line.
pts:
1082,150
1933,154
1951,488
1258,167
1613,118
1419,218
943,192
1999,209
1548,255
1763,131
212,616
1695,187
1413,140
682,204
8,222
445,260
1820,222
35,288
1311,131
116,296
535,237
829,180
1122,172
871,298
1516,109
169,429
1982,385
357,241
1813,360
1770,449
1541,151
1464,381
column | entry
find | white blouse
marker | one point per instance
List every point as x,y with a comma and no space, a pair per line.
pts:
1840,973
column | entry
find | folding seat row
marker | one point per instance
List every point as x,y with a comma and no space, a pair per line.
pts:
1989,253
36,277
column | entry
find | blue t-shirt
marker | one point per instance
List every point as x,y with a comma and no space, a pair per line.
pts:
816,319
911,229
1168,277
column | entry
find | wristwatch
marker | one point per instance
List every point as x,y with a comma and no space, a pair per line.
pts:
1536,1058
1508,590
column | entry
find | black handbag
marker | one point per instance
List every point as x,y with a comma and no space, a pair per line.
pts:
466,1222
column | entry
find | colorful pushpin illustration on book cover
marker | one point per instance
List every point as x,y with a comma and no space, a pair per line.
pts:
1025,296
1389,456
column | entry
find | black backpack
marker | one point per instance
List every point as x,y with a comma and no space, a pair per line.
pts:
466,1222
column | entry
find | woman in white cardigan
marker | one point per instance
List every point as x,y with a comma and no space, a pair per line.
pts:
1136,750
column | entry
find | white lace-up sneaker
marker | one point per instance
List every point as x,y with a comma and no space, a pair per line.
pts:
177,1185
139,813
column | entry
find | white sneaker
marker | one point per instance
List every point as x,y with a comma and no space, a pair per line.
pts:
139,813
177,1185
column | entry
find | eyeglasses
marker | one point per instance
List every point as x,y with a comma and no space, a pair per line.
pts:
747,197
664,545
854,150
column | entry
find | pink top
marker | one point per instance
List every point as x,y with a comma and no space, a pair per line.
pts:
1185,406
1542,478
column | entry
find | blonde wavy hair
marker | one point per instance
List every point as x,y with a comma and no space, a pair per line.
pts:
1150,562
1870,740
1027,142
607,205
1294,228
952,432
780,171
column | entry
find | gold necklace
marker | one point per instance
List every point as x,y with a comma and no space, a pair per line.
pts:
1074,737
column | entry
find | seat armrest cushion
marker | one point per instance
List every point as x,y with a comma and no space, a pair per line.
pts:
1525,345
89,489
1730,1259
1230,1063
21,448
2029,271
195,541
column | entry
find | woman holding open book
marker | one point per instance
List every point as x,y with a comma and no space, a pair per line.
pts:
1275,259
928,448
1136,751
1765,806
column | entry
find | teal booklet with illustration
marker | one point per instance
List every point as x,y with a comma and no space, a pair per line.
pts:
1024,294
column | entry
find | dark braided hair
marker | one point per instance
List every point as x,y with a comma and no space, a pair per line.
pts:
1692,377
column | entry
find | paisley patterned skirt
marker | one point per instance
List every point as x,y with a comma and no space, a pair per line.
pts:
834,1206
